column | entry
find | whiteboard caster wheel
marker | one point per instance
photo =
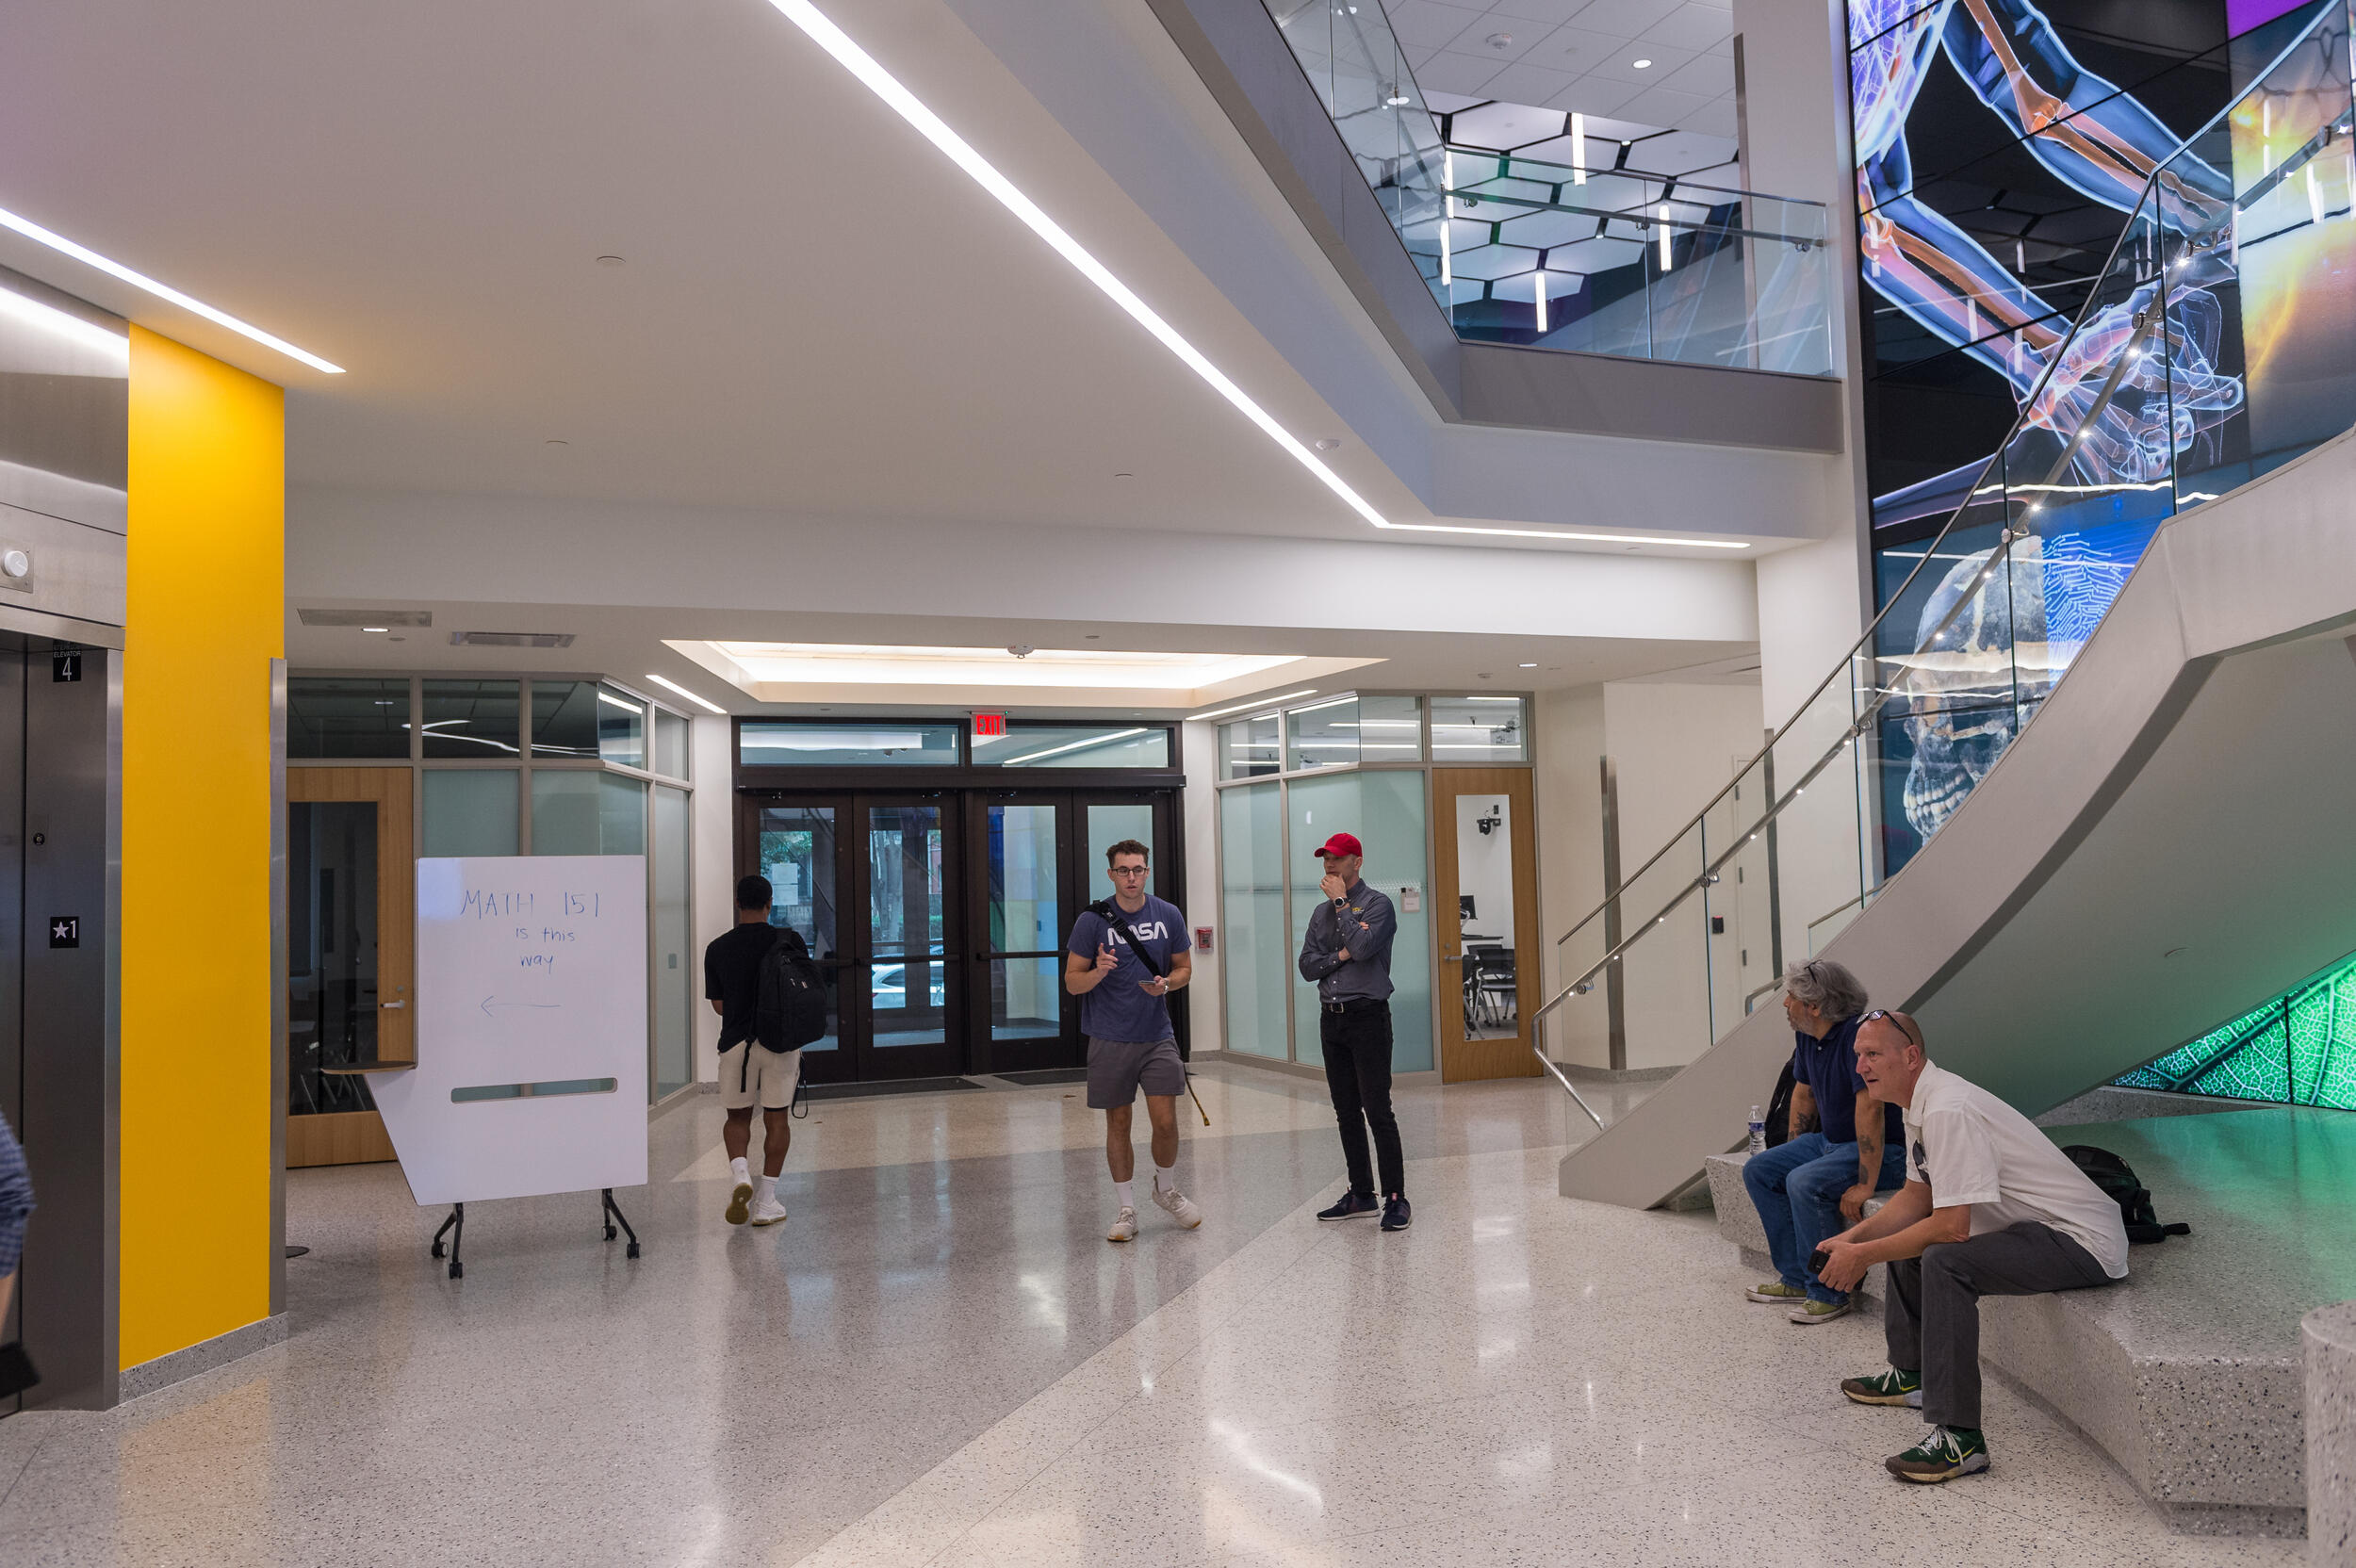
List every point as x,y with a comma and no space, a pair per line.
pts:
610,1233
457,1269
631,1250
437,1250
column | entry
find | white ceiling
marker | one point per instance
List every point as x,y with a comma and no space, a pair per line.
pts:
816,308
1579,55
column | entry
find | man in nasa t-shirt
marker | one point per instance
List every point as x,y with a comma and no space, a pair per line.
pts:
1991,1208
1130,1043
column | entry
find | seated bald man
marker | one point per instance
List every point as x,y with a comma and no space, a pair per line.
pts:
1991,1208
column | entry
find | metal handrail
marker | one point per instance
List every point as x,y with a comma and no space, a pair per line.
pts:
2153,318
2257,191
1678,181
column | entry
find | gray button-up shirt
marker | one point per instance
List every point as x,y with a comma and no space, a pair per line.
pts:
1363,922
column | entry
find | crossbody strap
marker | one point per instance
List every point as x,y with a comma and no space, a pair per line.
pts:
1110,912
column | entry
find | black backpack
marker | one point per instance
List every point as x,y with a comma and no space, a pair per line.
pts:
792,1008
2117,1179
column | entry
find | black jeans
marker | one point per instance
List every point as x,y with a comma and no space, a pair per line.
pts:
1357,1043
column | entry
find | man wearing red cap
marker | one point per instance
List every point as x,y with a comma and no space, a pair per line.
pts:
1346,955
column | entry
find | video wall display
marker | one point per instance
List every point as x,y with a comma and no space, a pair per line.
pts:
2003,149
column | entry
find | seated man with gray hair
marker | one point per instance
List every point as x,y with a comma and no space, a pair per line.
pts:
1846,1145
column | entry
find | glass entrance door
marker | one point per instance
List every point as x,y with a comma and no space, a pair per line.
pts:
868,882
941,920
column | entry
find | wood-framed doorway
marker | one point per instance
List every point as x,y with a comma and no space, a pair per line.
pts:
1484,855
351,957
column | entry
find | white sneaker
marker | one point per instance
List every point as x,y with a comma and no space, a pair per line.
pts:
1178,1206
1125,1228
767,1210
737,1200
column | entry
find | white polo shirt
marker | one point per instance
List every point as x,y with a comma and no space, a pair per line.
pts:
1972,1147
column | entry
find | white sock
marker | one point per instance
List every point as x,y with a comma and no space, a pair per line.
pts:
1166,1178
765,1186
738,1169
1128,1198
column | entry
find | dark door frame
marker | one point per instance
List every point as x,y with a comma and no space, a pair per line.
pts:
967,1045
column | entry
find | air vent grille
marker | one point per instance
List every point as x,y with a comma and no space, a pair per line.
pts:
512,638
366,617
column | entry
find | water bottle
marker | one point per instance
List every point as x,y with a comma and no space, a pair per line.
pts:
1759,1132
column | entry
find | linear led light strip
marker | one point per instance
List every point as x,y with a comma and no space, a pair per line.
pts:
1256,702
88,257
675,686
859,63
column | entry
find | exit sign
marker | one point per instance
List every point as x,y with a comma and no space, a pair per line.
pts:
989,724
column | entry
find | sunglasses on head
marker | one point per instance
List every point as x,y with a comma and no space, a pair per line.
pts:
1905,1025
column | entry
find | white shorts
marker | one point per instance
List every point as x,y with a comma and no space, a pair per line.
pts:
767,1083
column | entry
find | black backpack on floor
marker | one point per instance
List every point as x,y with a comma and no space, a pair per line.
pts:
792,1008
2117,1179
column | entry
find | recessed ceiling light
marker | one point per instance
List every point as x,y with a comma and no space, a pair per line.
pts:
1255,702
859,63
609,261
1124,476
1644,65
88,257
376,629
763,663
556,441
1095,636
1530,667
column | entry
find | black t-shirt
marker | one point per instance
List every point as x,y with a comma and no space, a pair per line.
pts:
732,978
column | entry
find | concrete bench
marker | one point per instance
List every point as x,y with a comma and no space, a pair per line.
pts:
2188,1373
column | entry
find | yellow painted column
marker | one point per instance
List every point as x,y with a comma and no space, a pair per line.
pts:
207,615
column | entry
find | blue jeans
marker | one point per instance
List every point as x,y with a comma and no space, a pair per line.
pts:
1796,1188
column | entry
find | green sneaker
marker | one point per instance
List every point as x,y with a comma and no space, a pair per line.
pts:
1823,1312
1776,1294
1892,1387
1948,1452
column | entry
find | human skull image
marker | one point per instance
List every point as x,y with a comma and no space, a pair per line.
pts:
1960,690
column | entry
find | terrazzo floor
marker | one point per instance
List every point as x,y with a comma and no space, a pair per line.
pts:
938,1360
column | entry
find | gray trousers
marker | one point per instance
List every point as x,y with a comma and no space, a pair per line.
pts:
1932,1319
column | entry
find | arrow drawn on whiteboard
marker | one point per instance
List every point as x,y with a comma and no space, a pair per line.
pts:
491,1002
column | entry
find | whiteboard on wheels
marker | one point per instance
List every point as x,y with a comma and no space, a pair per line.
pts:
531,1029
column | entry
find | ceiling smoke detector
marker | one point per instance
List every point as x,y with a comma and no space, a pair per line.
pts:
1021,650
511,638
1499,40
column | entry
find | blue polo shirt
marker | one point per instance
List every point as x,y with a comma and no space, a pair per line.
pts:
1829,1067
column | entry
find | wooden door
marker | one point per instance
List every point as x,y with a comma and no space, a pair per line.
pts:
329,1120
1485,892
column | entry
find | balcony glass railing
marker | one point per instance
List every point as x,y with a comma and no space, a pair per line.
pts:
2218,342
1560,254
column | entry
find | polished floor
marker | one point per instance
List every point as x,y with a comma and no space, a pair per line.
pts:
938,1360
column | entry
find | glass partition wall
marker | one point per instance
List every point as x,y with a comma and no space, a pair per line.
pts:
601,770
1359,763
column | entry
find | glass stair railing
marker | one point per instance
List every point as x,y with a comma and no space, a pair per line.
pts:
1562,255
2237,253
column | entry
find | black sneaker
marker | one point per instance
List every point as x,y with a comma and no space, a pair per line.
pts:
1350,1207
1397,1216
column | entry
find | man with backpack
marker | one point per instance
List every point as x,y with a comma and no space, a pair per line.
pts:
1991,1208
751,1074
1126,955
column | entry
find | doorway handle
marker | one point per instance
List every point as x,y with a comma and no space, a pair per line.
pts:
1452,957
388,1006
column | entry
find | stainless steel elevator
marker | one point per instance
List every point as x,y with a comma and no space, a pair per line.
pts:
64,416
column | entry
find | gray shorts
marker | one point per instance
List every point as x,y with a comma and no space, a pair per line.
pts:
1117,1069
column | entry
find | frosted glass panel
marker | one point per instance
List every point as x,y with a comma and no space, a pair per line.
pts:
587,813
1385,811
470,811
676,979
1252,900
